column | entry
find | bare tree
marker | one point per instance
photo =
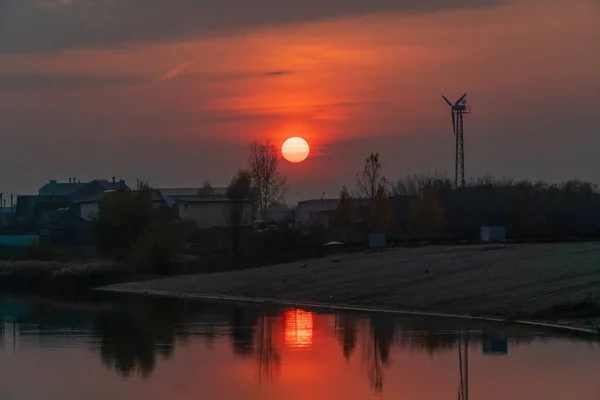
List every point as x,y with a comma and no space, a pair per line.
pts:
371,180
414,185
269,183
206,190
238,193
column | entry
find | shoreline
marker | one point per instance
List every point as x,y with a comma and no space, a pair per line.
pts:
344,307
545,284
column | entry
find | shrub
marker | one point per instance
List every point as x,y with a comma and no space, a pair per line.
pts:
158,249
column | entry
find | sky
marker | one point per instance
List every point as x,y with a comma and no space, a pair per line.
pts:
172,91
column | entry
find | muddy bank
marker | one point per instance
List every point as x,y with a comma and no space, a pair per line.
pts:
546,282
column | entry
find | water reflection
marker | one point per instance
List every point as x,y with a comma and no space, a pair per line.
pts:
134,335
298,328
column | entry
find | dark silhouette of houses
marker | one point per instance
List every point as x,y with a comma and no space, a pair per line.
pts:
65,227
56,210
55,188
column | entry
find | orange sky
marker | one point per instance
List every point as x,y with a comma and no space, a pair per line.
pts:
349,85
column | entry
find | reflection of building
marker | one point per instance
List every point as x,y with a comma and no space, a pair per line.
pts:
495,343
298,328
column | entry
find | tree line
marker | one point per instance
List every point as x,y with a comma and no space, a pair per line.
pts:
429,205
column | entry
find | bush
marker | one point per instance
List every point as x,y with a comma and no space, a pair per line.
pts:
159,248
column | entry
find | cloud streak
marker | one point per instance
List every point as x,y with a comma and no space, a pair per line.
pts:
176,71
58,81
33,25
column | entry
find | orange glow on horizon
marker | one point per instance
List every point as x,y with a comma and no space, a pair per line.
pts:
298,328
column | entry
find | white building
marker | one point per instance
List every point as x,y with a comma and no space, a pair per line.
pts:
208,213
88,208
307,210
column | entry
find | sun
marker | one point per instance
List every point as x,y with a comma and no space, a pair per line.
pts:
295,149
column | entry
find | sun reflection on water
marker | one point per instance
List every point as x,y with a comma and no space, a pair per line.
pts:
298,328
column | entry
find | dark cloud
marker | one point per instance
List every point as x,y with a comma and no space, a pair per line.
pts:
13,82
47,25
278,73
229,76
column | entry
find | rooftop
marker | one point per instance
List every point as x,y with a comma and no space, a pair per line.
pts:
200,199
55,188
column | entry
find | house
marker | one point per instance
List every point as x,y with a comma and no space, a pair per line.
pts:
79,190
65,227
322,211
215,212
55,188
96,187
88,208
33,212
309,211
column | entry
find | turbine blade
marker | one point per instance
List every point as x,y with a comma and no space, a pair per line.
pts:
447,101
453,123
461,99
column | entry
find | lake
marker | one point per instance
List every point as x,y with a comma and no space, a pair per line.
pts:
134,347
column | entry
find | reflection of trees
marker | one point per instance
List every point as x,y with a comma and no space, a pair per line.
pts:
430,342
266,353
252,336
376,349
242,331
346,332
132,336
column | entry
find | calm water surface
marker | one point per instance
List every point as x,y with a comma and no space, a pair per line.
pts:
157,349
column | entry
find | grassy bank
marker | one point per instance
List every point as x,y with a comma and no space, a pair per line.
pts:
547,282
57,276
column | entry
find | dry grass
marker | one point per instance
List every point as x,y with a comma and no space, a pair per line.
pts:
56,275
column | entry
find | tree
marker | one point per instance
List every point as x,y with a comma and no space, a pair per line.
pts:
123,217
269,183
345,215
206,190
425,216
238,192
381,211
130,227
369,182
414,185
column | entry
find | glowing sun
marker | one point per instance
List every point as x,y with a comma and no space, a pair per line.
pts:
295,149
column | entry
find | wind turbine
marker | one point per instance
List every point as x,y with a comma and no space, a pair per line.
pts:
458,109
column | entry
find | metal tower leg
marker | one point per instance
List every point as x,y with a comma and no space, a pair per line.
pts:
459,179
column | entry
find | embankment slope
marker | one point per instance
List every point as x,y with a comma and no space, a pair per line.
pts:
550,282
